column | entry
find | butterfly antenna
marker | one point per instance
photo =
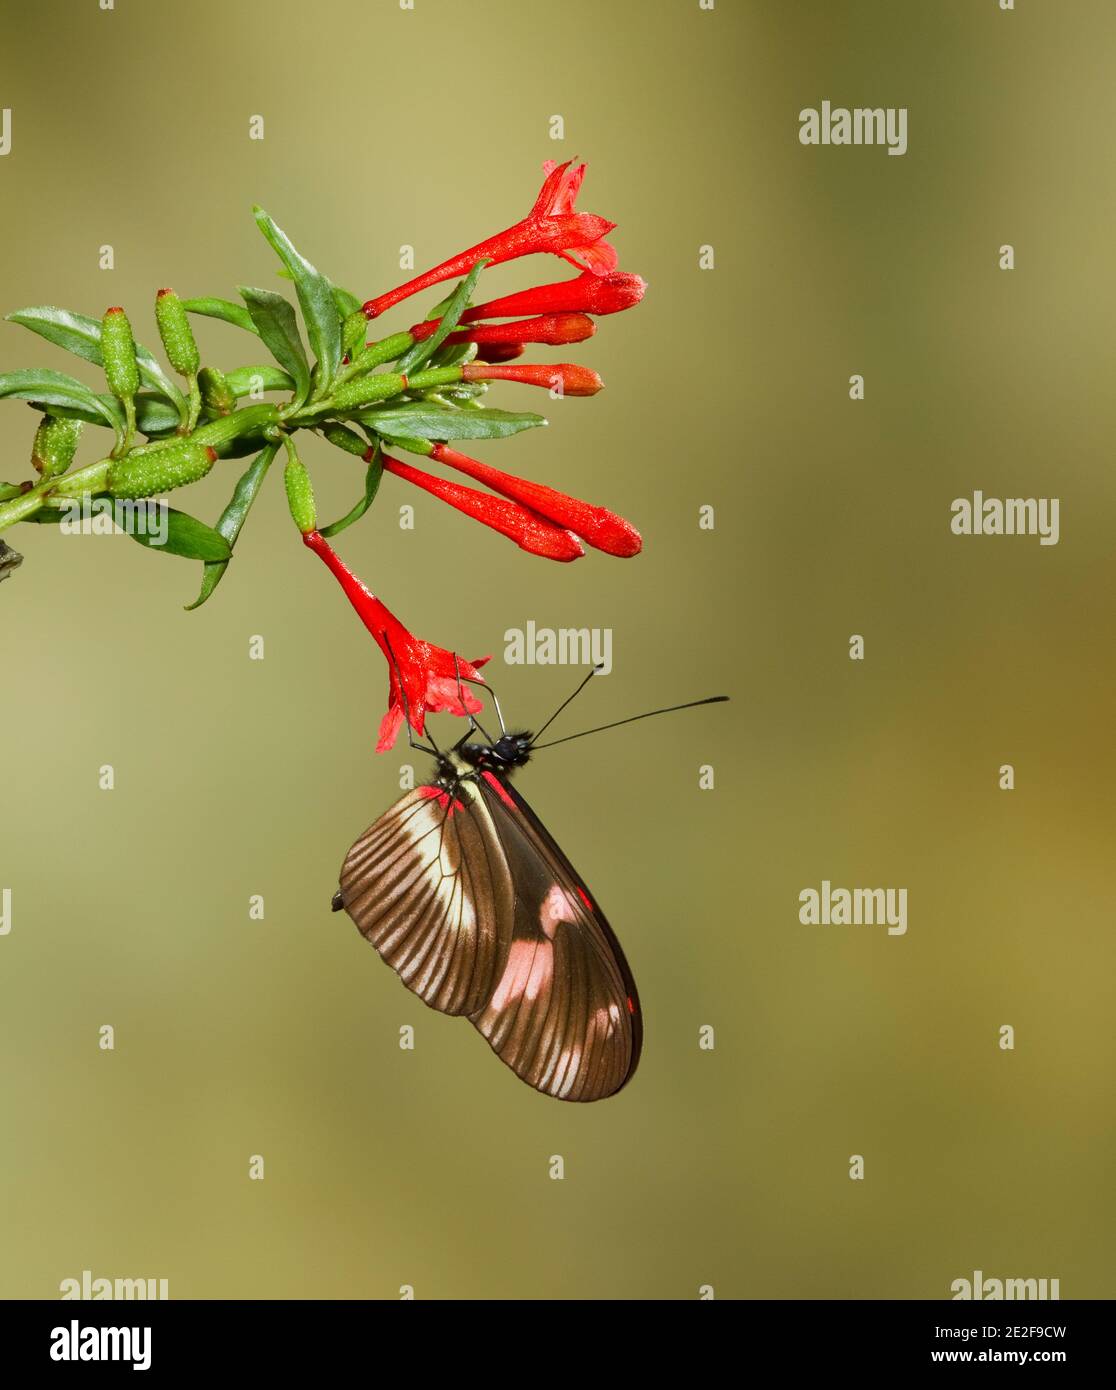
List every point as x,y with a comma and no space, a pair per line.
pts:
407,709
692,704
562,706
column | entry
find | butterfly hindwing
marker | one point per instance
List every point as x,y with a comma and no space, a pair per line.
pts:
564,1013
429,887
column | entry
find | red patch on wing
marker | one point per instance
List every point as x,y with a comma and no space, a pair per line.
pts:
442,798
584,896
631,1004
499,788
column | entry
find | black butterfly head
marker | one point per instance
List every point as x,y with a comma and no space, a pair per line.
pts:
509,750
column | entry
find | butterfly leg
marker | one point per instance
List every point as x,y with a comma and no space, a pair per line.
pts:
474,724
432,748
487,688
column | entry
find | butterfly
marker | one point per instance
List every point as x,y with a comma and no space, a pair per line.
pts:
467,896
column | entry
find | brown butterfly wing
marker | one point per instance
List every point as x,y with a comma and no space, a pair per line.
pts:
564,1013
429,886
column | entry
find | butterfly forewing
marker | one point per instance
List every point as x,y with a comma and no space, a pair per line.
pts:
429,887
469,899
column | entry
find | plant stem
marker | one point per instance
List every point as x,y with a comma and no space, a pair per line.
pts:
91,478
19,508
195,403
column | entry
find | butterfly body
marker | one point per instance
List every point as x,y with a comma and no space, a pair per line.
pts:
509,752
466,895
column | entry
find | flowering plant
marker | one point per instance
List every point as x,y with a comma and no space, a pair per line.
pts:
419,390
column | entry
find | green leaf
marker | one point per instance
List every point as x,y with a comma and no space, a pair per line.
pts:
187,536
440,308
422,421
241,446
154,415
45,387
347,302
81,335
277,325
371,487
240,379
223,309
413,359
52,513
232,519
9,490
457,394
453,354
315,297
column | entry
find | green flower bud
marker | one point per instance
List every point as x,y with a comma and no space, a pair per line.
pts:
176,333
118,349
160,469
353,331
56,442
216,391
363,390
386,350
345,438
300,493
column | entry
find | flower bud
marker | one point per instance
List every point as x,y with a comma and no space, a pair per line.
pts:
384,350
587,292
118,351
55,444
216,393
530,531
160,469
344,438
300,494
352,335
600,527
176,333
548,328
568,377
363,390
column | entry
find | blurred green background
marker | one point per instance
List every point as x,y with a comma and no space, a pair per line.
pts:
726,387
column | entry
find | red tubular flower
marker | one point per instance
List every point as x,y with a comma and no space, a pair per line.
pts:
587,293
600,528
527,528
552,226
426,674
550,328
573,379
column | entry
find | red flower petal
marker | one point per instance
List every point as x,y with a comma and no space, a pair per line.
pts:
429,674
551,226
